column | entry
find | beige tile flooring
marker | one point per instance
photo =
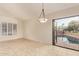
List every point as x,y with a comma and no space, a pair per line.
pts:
24,47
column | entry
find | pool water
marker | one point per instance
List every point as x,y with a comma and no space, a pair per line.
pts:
66,39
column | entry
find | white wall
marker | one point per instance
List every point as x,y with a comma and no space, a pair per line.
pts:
19,28
34,30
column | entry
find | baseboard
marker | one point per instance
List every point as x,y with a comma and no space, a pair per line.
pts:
38,41
27,39
10,39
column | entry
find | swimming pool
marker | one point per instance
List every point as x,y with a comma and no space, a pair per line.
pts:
68,39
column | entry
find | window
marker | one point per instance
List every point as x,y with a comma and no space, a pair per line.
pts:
4,28
8,29
14,29
66,32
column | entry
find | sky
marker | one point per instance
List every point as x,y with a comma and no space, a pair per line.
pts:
66,21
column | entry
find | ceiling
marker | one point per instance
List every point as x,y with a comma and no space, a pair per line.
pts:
26,11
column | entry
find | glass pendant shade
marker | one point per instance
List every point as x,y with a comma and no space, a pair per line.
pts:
43,20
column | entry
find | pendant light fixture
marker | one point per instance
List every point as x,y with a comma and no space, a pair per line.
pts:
42,18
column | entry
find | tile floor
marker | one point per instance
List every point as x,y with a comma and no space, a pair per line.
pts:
24,47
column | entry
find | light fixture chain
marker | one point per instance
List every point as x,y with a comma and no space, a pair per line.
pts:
43,11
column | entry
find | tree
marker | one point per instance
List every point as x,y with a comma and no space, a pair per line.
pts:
73,26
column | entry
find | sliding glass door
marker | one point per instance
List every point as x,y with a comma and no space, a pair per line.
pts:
66,32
